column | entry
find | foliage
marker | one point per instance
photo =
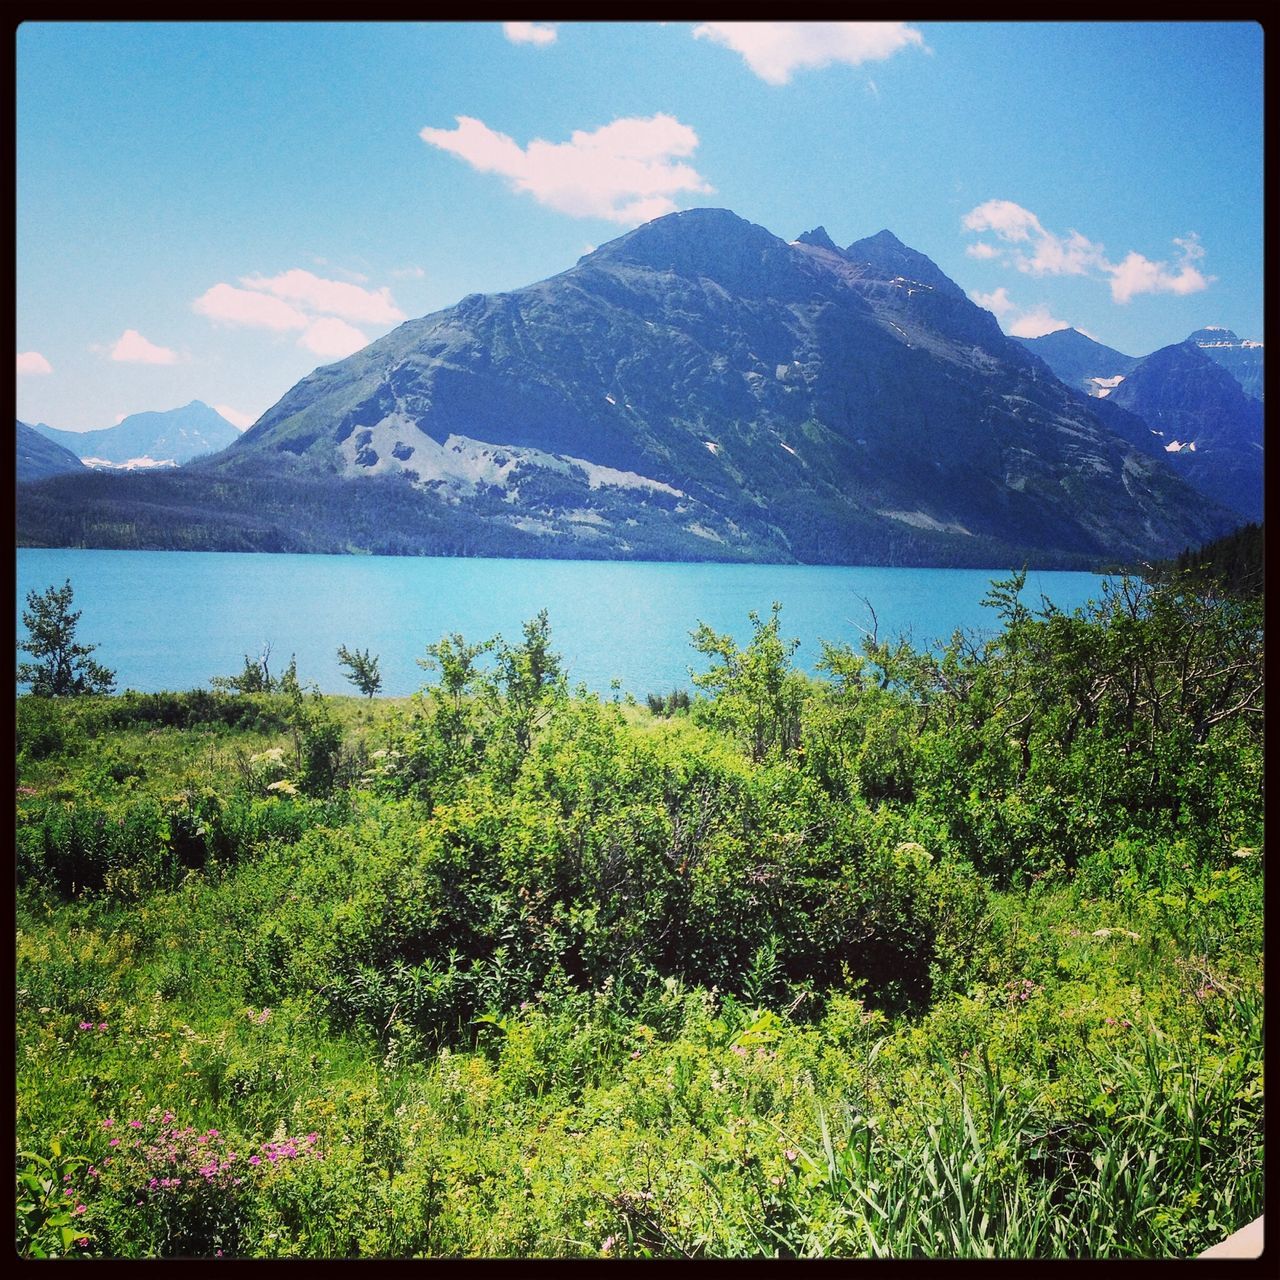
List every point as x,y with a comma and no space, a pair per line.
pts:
935,956
362,669
62,668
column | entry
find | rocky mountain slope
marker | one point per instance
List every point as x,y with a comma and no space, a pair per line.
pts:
168,438
1080,361
1241,358
700,388
1211,430
37,458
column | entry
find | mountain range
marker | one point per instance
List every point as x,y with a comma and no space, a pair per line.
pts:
697,388
154,439
1189,397
37,458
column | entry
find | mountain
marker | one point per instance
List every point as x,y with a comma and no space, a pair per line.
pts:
168,438
1212,430
1241,358
1080,361
697,388
37,458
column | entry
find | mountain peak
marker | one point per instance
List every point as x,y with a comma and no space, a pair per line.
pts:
819,239
890,258
884,238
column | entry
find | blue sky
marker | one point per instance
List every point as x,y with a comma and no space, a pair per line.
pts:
211,211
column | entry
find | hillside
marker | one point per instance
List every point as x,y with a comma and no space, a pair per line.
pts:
696,389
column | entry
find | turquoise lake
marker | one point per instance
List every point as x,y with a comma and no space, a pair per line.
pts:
173,619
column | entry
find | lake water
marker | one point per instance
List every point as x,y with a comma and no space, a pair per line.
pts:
173,619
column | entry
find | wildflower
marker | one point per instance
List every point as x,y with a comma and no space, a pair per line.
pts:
606,1246
102,1026
86,1026
135,1124
80,1208
93,1173
255,1160
636,1054
106,1124
83,1242
792,1155
115,1142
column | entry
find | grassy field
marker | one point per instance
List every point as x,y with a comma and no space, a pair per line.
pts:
953,956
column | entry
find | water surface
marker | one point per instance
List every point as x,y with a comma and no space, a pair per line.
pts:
173,619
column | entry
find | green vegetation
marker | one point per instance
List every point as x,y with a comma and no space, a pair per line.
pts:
62,668
1233,564
362,669
952,954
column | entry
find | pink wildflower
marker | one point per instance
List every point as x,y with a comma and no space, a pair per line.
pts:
102,1026
254,1160
135,1124
80,1208
86,1026
83,1242
115,1142
107,1123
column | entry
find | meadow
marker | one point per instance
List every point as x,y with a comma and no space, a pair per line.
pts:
949,954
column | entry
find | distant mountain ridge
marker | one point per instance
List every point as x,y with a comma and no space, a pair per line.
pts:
697,388
1081,361
167,438
1240,357
37,458
1211,429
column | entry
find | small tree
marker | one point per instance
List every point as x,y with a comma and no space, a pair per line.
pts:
62,668
362,668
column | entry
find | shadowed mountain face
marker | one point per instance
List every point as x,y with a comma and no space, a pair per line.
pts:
700,389
1242,359
167,438
37,458
1210,429
1080,362
785,400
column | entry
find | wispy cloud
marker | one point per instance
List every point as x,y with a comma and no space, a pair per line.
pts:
540,33
329,297
411,272
1031,322
332,338
248,308
625,172
775,50
33,362
1035,250
132,348
237,419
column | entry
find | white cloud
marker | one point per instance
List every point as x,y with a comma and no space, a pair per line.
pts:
33,362
329,297
1033,322
235,417
1037,251
132,348
408,273
333,338
120,417
1137,274
541,33
774,50
250,308
1008,220
624,172
997,301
